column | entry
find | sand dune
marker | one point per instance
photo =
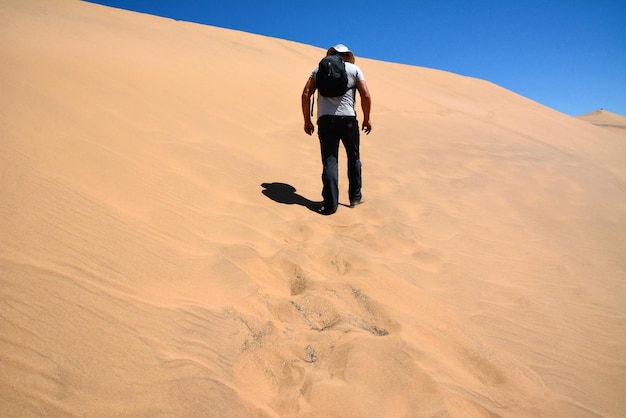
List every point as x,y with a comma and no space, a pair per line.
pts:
615,123
159,255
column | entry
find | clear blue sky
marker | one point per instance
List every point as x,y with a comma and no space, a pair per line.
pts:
566,54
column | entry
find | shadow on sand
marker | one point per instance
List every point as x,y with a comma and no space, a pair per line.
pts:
286,194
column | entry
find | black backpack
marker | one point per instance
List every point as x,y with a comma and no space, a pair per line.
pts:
332,79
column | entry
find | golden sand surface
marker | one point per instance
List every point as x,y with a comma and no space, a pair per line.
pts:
159,255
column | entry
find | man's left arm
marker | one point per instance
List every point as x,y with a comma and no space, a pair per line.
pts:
366,105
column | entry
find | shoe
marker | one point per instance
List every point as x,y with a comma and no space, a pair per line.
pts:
326,211
354,203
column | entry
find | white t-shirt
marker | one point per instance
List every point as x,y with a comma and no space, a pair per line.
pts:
342,105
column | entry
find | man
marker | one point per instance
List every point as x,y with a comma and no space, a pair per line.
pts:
336,120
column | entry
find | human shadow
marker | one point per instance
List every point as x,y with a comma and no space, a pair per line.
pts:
286,194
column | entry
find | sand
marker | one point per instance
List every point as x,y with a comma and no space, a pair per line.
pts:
615,123
159,255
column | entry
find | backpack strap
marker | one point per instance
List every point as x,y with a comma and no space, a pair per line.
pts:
353,88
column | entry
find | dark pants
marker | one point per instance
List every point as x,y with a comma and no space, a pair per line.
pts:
331,130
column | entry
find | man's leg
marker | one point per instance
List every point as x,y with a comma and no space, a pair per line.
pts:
351,141
329,146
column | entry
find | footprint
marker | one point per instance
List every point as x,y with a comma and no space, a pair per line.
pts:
317,312
298,279
341,264
429,259
374,316
297,284
484,370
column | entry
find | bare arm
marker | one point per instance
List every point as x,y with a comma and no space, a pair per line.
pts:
366,105
309,89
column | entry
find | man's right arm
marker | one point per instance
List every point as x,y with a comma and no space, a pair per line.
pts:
309,89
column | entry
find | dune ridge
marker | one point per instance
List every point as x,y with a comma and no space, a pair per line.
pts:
612,121
159,255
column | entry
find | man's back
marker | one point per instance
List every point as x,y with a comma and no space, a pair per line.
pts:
342,105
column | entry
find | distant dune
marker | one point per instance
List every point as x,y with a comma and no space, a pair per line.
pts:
612,121
159,255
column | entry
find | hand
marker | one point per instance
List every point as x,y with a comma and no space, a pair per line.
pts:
367,127
309,128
